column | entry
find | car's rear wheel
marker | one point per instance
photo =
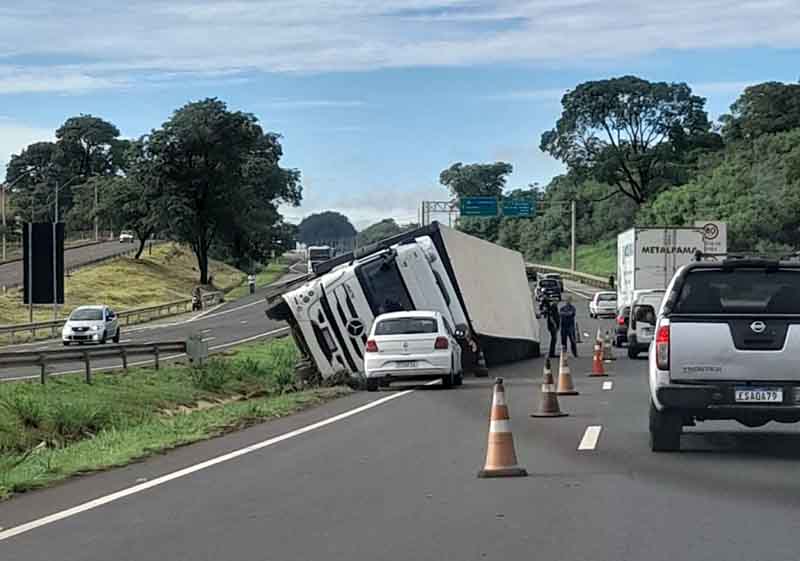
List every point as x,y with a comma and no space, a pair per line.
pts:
632,351
372,384
665,430
447,381
458,380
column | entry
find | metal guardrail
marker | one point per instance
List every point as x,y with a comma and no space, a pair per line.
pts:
43,359
135,315
589,280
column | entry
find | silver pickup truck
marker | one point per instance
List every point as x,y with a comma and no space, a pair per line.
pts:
727,346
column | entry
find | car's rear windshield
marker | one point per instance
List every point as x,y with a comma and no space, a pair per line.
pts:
88,314
406,326
606,297
740,291
548,283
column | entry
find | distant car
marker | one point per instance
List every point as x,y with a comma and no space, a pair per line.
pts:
603,304
548,289
411,346
126,237
642,324
91,324
556,277
621,329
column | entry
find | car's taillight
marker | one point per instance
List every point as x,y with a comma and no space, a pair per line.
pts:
372,346
662,347
441,343
620,320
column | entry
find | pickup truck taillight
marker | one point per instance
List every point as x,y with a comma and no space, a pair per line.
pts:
620,320
662,348
372,346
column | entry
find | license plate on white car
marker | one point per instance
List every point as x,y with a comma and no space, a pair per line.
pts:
759,395
407,364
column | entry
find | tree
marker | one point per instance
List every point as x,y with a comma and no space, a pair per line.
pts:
379,231
629,133
88,145
325,227
476,180
37,169
766,108
218,176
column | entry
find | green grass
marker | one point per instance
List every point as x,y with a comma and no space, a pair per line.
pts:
267,275
169,274
50,432
597,259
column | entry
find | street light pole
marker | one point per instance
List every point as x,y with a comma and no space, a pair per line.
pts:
55,252
96,222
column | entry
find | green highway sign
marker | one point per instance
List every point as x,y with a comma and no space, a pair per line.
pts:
479,206
519,208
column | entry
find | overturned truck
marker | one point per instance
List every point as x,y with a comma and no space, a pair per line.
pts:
481,287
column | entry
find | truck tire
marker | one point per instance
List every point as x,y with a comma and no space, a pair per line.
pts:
665,430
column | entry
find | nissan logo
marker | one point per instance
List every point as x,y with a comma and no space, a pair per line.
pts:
758,327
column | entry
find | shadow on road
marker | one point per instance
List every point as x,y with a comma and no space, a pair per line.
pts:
745,444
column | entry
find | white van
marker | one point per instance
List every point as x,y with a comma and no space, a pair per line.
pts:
643,321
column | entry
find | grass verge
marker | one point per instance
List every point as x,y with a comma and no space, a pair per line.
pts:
49,433
596,259
267,275
168,274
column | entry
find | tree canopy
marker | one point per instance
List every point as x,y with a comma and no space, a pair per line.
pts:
630,133
325,227
474,180
380,231
766,108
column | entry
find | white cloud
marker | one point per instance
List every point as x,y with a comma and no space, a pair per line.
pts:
15,136
313,103
102,44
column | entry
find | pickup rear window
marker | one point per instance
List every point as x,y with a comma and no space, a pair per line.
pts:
739,291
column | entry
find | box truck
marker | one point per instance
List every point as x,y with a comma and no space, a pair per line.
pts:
648,257
480,287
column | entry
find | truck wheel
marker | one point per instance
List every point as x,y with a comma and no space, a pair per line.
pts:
372,384
458,380
665,430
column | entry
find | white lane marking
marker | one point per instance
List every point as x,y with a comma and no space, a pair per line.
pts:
208,338
145,362
209,315
243,322
585,296
205,330
589,440
607,386
125,340
68,513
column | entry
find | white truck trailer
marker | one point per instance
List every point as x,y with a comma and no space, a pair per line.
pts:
480,287
648,257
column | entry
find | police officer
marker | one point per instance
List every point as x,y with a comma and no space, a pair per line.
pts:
550,312
567,317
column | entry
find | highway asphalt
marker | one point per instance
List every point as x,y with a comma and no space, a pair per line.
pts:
11,274
396,480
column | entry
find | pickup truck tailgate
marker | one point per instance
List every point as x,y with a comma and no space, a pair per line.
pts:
733,349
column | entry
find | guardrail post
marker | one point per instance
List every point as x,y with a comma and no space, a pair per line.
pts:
124,354
43,373
155,355
88,365
12,336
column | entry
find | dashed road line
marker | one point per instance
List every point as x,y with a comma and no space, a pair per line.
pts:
590,437
608,386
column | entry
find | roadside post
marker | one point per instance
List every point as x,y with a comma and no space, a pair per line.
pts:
197,349
251,281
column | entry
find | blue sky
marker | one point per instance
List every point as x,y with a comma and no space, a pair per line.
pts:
374,99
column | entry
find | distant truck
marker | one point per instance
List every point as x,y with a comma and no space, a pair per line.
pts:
647,258
480,288
318,254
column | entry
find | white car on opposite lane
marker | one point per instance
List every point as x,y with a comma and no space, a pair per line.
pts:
91,324
412,346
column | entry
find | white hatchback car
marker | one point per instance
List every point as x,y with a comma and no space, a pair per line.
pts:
412,346
126,237
91,324
603,304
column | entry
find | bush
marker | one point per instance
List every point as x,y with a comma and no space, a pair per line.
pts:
73,420
211,376
27,410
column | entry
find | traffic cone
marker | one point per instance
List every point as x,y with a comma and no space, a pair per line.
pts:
501,459
608,354
548,403
565,385
597,360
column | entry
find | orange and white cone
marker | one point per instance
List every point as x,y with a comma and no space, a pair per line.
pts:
597,361
608,354
565,385
501,459
548,403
